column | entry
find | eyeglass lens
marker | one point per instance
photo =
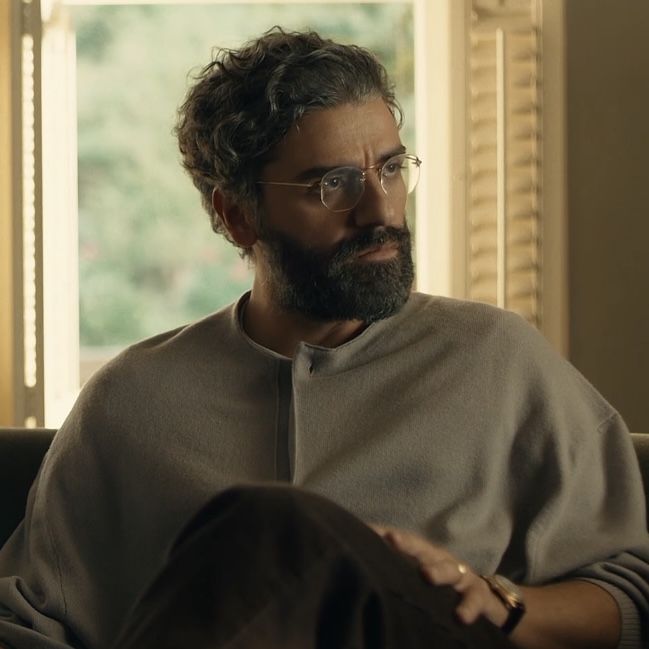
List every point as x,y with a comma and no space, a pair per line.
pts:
342,188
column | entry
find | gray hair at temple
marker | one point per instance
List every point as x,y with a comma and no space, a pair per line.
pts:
244,102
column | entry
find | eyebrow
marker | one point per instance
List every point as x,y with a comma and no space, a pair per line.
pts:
318,172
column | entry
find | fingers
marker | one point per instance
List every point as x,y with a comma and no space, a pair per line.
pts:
438,565
412,545
472,605
441,568
446,572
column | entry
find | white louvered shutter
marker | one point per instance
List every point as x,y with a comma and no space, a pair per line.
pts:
504,156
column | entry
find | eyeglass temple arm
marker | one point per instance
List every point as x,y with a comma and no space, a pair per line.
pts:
377,165
275,182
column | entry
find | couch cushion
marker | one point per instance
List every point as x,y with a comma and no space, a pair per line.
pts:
21,454
641,443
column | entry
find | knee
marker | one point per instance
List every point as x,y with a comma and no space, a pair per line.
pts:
259,508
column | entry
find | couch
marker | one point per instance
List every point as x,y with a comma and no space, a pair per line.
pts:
22,450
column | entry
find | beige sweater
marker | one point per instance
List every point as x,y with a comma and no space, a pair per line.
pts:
452,418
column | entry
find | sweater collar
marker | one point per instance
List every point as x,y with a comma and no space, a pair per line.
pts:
329,359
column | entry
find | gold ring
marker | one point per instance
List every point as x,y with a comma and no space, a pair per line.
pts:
462,568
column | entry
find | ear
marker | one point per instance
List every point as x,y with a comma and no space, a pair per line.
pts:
238,222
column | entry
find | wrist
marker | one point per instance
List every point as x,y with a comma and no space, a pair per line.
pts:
510,597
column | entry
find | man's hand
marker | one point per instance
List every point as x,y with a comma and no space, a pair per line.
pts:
572,614
441,568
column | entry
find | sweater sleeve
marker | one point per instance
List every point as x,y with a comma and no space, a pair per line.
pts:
50,565
591,511
31,600
76,562
34,567
624,573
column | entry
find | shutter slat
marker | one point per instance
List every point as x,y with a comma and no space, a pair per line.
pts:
516,197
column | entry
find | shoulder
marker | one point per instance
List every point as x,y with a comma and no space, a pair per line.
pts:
510,353
479,327
135,389
183,344
464,322
176,353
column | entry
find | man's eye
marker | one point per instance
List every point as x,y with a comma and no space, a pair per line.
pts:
333,182
392,168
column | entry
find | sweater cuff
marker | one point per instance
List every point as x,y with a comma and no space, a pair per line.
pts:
631,631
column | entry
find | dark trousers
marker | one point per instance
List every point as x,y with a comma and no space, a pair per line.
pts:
273,567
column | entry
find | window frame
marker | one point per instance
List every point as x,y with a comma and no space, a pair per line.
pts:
440,124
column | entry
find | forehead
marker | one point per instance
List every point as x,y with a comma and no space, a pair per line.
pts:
354,133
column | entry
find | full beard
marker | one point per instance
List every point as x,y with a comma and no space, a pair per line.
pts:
335,285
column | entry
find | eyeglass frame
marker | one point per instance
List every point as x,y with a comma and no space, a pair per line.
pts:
377,165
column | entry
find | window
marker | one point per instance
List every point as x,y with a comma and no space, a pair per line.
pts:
147,262
112,78
109,78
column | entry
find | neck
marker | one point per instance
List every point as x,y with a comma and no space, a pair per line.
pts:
282,331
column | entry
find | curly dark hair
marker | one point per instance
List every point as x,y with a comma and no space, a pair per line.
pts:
245,101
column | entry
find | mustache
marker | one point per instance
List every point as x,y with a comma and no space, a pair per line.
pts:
348,249
337,258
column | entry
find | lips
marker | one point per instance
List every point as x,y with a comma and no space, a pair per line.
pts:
380,251
372,244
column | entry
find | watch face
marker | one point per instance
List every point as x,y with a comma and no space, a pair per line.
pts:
509,590
503,582
511,597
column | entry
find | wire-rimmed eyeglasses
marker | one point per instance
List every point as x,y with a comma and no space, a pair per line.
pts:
341,188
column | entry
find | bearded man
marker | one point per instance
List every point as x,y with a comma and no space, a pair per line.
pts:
371,467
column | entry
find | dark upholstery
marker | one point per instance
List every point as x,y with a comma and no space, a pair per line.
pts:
22,449
641,443
21,453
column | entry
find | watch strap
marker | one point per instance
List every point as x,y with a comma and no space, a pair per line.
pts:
511,599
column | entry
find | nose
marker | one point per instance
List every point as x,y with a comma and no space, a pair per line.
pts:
375,207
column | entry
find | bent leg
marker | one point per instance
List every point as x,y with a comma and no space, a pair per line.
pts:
274,567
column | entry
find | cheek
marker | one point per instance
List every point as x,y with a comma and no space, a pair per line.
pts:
310,225
322,233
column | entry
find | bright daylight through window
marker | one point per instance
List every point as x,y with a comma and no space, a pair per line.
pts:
148,260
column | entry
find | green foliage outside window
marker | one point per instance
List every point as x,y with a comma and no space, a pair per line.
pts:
148,258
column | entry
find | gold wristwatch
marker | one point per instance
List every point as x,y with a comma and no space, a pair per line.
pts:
510,595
